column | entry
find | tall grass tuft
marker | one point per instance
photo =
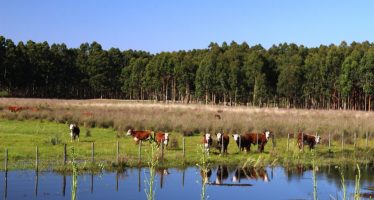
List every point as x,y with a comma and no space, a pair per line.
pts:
342,181
357,183
152,164
204,170
74,179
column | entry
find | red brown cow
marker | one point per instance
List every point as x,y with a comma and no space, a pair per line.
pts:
223,138
139,135
162,137
207,141
250,173
307,139
245,140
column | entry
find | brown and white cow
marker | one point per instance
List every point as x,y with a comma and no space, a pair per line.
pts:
223,139
161,137
245,140
250,173
139,135
307,139
207,141
74,131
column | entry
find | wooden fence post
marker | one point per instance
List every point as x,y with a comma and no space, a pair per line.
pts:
240,143
140,150
184,147
93,152
302,141
222,149
162,149
36,159
329,142
117,152
366,142
354,140
288,142
343,141
6,159
65,156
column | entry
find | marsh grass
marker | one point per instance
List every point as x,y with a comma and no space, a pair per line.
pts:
152,165
204,166
74,180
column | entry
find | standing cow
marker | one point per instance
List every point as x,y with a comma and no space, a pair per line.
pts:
245,140
161,137
207,141
74,131
223,139
307,139
139,135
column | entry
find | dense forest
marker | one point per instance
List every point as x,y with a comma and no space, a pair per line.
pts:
285,75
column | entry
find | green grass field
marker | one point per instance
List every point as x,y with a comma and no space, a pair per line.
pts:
22,137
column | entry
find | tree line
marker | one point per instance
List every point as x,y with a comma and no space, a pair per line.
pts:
285,75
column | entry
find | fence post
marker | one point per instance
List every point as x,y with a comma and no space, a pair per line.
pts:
288,142
273,140
240,143
184,148
117,152
93,153
354,140
342,140
367,136
302,141
329,142
140,150
65,154
162,149
222,149
36,159
6,159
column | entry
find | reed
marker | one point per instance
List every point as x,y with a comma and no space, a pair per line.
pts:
152,164
74,180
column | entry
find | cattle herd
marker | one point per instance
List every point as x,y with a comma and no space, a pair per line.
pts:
244,141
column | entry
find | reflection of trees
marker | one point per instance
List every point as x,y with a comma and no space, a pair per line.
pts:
332,174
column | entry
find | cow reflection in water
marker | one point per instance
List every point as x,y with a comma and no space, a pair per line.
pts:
205,175
298,171
222,174
162,172
250,173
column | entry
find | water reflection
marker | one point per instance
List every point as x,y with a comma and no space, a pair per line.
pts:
287,183
249,173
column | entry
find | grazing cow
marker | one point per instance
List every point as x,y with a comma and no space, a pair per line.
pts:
245,140
139,135
223,138
310,140
162,137
74,131
222,174
207,141
217,116
250,173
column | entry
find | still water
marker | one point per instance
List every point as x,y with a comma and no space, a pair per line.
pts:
223,183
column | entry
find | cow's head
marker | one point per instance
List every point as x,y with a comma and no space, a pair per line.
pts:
267,134
129,132
166,139
219,137
236,136
317,139
71,126
207,140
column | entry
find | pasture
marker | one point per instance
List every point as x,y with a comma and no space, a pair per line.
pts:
104,122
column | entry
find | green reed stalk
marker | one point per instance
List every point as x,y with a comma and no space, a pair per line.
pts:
343,183
357,183
152,164
204,168
74,179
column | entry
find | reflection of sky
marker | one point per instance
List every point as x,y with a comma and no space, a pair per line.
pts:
281,185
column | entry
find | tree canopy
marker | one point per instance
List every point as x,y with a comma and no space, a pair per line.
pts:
285,75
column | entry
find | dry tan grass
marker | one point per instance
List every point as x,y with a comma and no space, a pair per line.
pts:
189,119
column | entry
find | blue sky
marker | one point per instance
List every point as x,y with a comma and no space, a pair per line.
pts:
169,25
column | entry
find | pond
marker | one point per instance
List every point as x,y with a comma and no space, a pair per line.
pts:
224,183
